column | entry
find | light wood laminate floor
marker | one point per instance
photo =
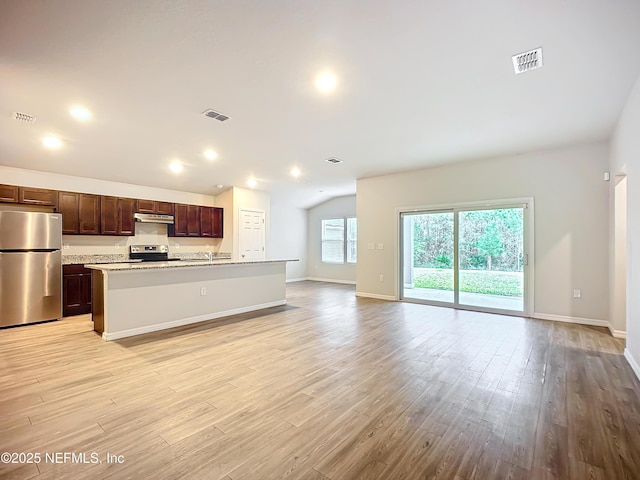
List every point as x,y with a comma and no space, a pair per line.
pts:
328,387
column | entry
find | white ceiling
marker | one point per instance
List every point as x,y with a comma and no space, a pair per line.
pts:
421,83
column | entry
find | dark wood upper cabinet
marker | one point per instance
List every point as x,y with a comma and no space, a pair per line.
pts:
37,196
193,221
206,221
88,214
116,215
68,206
186,222
9,193
154,206
126,221
109,215
211,219
164,208
80,213
179,221
146,206
218,222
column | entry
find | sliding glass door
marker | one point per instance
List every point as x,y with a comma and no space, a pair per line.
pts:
469,257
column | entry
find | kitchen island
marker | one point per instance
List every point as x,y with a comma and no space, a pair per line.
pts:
135,298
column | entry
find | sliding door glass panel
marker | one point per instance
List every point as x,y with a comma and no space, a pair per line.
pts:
491,258
428,261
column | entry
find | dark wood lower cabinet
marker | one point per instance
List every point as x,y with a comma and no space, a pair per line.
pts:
76,290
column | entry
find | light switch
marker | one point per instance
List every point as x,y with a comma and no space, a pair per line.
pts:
371,246
381,246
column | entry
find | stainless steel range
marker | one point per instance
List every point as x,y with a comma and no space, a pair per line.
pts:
150,253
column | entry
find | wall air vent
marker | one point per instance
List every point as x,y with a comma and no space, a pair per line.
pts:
24,118
523,62
217,115
334,160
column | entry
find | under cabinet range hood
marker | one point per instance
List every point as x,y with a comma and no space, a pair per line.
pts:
153,218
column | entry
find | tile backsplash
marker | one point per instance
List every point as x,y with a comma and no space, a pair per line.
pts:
146,234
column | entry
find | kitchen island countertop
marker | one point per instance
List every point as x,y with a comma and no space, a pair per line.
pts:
114,267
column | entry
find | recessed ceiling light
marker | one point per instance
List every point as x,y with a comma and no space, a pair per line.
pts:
219,185
176,166
210,154
295,171
52,142
252,182
81,114
326,82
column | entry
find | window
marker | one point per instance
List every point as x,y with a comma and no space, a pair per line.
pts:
339,240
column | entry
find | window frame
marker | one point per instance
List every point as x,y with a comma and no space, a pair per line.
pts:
345,240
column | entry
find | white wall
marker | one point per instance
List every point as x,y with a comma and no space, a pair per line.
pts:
225,201
288,238
571,219
625,158
334,208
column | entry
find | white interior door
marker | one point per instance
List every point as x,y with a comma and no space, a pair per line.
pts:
252,235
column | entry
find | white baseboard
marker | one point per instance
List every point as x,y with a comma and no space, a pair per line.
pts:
331,280
563,318
376,296
186,321
632,361
582,321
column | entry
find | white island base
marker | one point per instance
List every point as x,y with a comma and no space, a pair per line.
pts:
132,299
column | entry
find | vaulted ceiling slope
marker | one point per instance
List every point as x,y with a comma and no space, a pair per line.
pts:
419,83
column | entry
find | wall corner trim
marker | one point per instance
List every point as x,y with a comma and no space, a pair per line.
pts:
302,279
632,361
617,333
376,296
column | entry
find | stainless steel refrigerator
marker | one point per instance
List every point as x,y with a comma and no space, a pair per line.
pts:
30,267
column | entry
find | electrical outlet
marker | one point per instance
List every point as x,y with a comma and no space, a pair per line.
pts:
371,246
65,246
177,245
577,293
203,291
382,278
116,246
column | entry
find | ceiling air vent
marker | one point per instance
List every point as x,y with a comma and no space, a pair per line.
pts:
523,62
217,115
334,160
24,118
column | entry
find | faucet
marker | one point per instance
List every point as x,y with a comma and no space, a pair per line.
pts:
210,256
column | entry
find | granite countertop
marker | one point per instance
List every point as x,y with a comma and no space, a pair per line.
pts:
124,258
104,258
114,267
